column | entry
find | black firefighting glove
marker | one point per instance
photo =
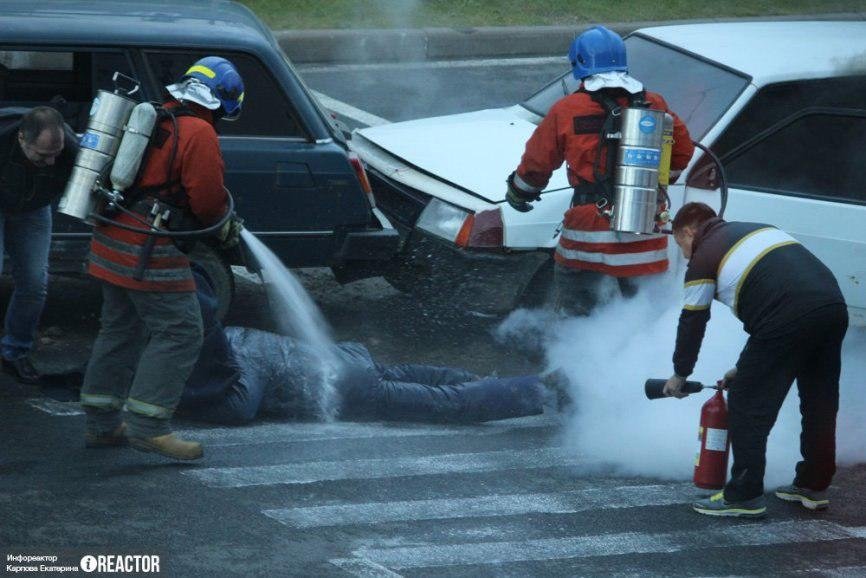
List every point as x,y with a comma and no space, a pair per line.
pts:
519,200
230,234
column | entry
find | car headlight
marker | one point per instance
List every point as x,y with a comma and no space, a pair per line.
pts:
482,230
442,219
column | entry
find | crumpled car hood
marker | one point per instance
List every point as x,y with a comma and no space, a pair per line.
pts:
475,151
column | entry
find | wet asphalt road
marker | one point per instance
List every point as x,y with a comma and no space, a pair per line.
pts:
377,499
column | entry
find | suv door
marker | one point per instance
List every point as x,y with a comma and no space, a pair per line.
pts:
293,191
800,168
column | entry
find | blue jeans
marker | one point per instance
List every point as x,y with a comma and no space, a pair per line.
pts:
26,238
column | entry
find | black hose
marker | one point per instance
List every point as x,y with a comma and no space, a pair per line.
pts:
175,234
723,179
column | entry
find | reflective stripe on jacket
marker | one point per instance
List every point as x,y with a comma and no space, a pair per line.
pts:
588,243
197,173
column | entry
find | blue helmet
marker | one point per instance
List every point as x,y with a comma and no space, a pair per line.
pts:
597,50
223,80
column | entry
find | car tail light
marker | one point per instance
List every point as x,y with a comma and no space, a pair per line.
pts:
356,163
481,231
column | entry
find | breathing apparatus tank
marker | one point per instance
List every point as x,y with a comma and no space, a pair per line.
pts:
107,131
136,137
642,164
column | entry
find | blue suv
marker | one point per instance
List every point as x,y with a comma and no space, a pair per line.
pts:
295,183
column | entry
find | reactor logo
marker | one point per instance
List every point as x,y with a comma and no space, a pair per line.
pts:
128,564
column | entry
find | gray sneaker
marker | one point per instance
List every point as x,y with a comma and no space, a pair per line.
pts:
718,506
810,499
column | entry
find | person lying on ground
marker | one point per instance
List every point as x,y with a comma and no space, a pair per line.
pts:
244,373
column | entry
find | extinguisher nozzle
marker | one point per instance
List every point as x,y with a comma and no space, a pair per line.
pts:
654,388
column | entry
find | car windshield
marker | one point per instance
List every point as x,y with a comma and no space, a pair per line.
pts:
697,90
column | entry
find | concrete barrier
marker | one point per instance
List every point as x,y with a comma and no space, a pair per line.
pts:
419,44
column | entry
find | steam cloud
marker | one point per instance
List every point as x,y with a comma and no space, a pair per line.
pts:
608,356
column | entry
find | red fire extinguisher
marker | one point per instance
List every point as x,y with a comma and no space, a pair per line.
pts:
711,463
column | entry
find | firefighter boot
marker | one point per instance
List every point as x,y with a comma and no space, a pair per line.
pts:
169,446
109,439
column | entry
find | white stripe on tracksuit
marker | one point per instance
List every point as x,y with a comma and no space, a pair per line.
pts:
740,259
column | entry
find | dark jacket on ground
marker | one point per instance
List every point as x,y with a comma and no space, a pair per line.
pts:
23,186
767,278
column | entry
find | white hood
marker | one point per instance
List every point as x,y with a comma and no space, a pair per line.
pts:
476,150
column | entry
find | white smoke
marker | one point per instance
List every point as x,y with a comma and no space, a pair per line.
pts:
608,356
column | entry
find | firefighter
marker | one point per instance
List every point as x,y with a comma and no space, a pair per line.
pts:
793,310
151,328
588,251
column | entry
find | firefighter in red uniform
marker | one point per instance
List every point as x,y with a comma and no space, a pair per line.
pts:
588,251
151,328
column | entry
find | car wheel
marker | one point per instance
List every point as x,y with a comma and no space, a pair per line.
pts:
220,274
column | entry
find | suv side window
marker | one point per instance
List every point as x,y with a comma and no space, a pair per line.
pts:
267,111
64,79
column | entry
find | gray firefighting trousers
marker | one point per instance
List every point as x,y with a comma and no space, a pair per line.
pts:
147,346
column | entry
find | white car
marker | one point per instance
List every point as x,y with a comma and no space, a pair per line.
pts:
782,103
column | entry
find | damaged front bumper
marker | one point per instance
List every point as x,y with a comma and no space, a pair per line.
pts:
441,272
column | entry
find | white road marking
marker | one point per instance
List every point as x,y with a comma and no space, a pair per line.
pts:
439,64
840,572
363,568
349,111
312,472
765,534
304,432
54,407
485,506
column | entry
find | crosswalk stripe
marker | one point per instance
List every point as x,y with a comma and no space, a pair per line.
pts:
840,572
484,506
788,532
311,472
363,568
303,432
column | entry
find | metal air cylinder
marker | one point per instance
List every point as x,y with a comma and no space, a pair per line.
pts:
136,137
636,174
108,115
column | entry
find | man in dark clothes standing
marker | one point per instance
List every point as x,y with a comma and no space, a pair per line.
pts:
791,307
37,152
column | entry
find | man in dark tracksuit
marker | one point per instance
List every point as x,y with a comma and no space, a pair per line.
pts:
791,307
